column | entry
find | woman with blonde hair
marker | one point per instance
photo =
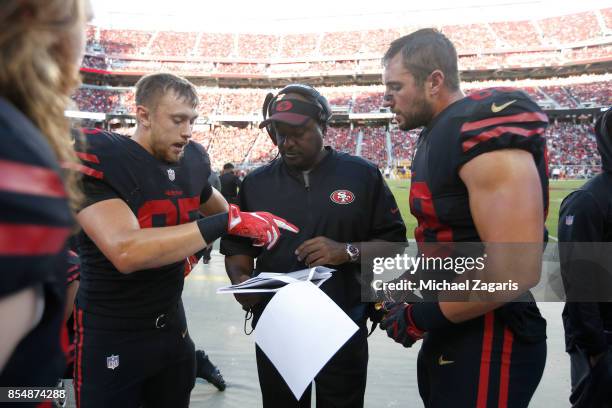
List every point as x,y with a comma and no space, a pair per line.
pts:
41,47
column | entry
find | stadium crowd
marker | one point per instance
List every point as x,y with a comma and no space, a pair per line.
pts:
469,38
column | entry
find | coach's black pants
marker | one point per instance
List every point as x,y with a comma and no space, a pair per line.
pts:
122,368
591,386
479,365
341,383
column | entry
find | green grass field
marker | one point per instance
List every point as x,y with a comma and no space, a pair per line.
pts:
558,190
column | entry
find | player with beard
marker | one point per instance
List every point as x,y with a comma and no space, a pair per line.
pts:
478,175
140,222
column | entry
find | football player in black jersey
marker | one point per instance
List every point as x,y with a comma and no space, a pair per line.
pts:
41,48
478,175
140,222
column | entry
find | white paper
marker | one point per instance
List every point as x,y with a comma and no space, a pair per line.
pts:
273,281
300,330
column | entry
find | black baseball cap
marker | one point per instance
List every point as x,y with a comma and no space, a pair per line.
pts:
293,112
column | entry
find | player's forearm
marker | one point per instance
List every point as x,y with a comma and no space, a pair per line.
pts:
239,267
516,263
155,247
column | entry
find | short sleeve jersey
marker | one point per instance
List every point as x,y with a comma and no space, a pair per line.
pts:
485,121
159,194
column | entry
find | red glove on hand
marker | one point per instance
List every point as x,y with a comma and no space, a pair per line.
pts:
400,326
263,227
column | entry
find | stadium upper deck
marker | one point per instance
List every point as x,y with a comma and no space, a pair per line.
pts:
554,43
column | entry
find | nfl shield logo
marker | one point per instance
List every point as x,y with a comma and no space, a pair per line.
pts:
171,174
112,362
569,220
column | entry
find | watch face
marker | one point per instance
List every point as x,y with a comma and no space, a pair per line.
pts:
352,251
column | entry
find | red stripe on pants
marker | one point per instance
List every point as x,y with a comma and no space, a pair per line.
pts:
78,338
505,368
485,360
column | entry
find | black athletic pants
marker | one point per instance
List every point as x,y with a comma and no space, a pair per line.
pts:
119,363
479,365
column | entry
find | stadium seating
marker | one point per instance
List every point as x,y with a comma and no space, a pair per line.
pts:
96,100
546,42
215,45
131,42
170,43
597,93
471,37
298,45
607,17
368,102
373,145
258,45
570,28
516,34
341,43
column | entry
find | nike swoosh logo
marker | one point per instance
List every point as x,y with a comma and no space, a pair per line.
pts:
184,333
442,361
495,108
394,210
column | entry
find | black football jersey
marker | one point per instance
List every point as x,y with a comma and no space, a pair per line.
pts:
492,119
35,223
159,194
488,120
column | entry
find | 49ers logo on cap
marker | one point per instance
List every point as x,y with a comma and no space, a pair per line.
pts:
342,197
283,106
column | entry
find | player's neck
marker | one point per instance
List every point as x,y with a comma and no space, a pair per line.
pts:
143,139
447,99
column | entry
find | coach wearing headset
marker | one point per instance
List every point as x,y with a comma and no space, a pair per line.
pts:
338,201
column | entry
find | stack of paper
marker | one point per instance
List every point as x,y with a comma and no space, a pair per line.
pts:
272,281
300,330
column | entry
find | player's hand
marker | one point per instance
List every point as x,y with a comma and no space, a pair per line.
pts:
247,300
400,326
263,227
322,251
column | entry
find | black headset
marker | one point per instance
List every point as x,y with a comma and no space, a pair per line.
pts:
604,124
305,90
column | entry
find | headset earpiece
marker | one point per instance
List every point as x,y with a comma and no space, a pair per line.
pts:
267,106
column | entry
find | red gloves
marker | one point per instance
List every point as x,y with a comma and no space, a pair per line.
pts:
400,326
263,227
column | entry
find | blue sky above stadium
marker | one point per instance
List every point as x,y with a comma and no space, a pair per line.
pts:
318,15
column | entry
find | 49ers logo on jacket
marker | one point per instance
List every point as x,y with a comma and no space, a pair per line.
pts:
342,197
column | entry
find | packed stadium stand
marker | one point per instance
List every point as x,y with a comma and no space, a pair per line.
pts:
564,63
557,33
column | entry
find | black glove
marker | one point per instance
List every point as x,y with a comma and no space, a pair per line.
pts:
399,324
